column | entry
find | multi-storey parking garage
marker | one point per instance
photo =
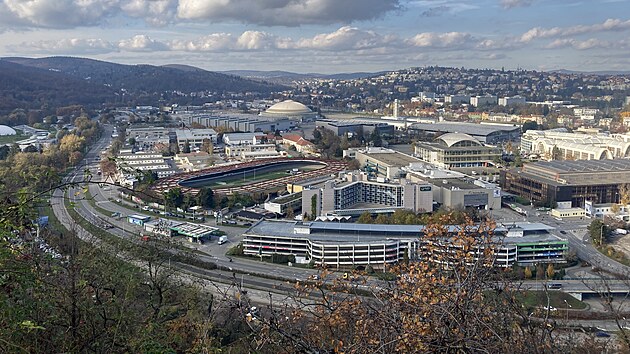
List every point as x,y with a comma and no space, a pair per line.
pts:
251,177
343,245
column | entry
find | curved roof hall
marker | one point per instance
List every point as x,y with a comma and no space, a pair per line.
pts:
457,139
6,130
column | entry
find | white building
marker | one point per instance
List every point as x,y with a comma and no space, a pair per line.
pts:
508,101
575,146
456,99
195,137
477,101
242,138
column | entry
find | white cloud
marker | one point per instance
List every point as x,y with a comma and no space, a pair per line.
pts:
255,40
211,43
59,13
156,12
441,40
73,46
608,25
347,38
285,12
141,43
580,45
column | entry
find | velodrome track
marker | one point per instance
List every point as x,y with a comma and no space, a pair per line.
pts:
329,167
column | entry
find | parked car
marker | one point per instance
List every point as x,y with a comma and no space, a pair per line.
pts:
602,334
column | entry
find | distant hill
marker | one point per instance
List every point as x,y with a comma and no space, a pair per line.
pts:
27,87
147,79
287,77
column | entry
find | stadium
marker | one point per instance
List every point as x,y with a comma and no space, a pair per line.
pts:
251,177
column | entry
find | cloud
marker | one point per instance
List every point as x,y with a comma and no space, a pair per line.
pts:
67,46
347,38
441,40
58,13
285,12
79,13
510,4
141,43
606,26
155,12
210,43
580,45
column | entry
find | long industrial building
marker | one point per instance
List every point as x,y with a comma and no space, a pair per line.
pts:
485,133
597,181
573,146
346,245
236,122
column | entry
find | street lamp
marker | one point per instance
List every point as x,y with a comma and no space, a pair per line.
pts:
567,309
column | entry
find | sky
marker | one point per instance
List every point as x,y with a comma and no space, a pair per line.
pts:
325,36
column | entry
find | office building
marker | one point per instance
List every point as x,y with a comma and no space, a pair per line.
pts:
456,99
456,190
453,150
487,100
509,101
354,193
597,181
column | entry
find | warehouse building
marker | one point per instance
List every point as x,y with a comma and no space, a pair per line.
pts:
354,127
236,122
597,181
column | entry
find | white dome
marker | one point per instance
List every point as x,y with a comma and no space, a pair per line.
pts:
5,130
288,107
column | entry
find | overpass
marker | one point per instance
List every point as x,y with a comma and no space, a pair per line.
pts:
579,288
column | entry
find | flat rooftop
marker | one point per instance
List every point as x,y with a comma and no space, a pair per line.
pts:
462,127
336,232
392,158
585,166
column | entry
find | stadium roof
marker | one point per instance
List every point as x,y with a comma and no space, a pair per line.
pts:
288,107
6,130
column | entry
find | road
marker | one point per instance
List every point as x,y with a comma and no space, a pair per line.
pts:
573,230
